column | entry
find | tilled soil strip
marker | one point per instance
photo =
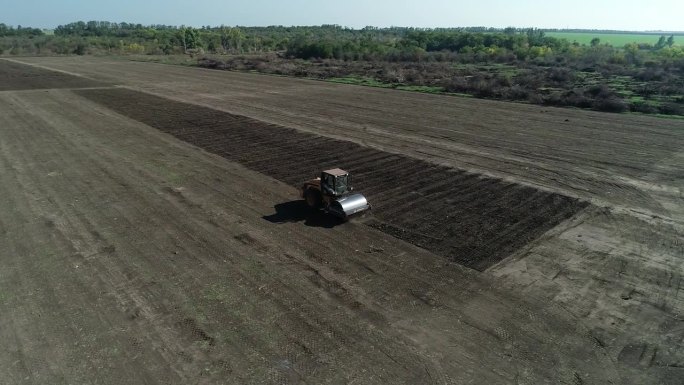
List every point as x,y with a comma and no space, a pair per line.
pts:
17,77
470,219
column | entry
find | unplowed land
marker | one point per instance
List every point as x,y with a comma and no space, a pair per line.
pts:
473,220
14,76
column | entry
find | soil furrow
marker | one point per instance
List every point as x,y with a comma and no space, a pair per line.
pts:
292,156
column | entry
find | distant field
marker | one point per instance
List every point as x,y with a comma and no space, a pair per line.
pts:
616,39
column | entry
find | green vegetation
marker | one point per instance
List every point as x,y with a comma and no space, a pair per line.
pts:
614,39
371,82
527,65
360,81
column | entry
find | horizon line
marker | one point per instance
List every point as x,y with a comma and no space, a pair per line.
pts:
368,26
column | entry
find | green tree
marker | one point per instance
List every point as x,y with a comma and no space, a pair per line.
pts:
535,37
212,43
232,39
80,49
192,38
189,38
180,35
595,42
632,52
670,41
225,38
661,42
236,37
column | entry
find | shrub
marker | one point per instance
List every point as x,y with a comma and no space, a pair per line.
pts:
517,92
554,99
671,109
484,88
456,84
136,48
535,98
531,79
649,74
610,104
576,98
80,49
642,107
561,74
212,63
503,81
600,91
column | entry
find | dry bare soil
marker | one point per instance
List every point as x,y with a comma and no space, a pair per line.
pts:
151,232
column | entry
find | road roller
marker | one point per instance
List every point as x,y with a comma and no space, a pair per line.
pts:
333,193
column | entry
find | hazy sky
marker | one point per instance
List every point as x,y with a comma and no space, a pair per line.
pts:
599,14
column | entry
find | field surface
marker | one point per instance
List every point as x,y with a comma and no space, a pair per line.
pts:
151,232
614,39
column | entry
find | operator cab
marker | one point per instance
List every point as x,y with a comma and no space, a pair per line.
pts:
336,182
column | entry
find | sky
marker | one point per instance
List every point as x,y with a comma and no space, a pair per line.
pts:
633,15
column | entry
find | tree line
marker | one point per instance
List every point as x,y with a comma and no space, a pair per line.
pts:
316,42
19,31
522,64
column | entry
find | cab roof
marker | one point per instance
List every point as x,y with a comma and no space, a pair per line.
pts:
336,172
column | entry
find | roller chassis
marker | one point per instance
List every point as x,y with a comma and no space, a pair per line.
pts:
332,198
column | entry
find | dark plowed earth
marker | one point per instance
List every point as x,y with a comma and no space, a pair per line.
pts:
473,220
14,76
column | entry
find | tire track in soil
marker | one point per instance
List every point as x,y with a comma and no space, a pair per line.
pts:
471,219
166,334
83,251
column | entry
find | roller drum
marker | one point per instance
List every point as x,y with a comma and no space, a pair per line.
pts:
348,205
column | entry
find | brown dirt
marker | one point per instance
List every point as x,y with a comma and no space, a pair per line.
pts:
473,220
128,256
618,160
16,76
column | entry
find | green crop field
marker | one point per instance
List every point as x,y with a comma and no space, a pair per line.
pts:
615,39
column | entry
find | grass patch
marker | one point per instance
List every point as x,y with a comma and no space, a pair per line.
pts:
496,68
370,82
426,89
360,81
614,39
183,60
661,116
641,99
